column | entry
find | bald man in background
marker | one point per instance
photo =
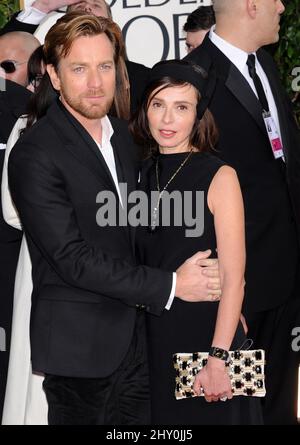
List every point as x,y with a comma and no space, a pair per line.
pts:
15,50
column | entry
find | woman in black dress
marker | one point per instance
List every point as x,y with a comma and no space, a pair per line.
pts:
175,123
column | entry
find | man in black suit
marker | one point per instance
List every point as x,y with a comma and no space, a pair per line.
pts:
29,19
89,295
13,101
248,86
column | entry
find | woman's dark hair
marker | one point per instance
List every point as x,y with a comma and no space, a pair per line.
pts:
36,65
40,101
204,134
44,94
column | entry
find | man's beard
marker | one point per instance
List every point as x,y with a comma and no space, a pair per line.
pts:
89,111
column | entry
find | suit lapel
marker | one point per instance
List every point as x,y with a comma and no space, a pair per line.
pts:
236,83
126,175
80,144
78,141
124,165
240,88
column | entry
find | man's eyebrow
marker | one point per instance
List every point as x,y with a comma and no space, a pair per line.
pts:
104,62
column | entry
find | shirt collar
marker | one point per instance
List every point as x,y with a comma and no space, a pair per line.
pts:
236,55
107,131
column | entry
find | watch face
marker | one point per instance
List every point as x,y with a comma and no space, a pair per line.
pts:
219,353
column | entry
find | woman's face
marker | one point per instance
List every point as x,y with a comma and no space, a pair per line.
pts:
171,116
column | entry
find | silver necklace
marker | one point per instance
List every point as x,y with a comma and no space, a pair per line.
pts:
155,211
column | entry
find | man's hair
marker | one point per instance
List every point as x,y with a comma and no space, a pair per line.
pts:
76,24
202,18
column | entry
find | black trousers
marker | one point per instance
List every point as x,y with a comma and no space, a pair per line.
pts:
272,330
9,254
119,399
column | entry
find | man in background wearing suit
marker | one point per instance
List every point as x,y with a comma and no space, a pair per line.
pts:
13,102
248,87
197,25
89,295
29,19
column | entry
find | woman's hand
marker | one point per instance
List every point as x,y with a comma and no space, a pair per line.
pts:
214,380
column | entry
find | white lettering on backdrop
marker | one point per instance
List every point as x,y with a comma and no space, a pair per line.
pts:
153,28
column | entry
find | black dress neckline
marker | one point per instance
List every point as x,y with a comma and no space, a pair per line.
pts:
182,154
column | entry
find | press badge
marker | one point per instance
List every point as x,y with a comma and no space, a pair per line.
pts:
273,135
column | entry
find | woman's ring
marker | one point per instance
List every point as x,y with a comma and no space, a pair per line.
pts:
223,399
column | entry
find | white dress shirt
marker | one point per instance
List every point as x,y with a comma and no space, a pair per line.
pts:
107,152
239,58
31,16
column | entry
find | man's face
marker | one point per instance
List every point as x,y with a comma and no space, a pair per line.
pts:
13,52
195,38
86,79
95,7
267,20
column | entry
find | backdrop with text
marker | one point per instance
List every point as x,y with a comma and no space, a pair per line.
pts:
153,28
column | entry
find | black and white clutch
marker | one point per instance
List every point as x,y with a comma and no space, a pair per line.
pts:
246,371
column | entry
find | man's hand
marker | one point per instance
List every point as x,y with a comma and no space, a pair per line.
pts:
51,5
198,279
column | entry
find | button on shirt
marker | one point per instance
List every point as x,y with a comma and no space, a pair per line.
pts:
107,152
239,58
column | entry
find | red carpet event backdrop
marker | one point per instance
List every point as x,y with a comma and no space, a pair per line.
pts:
153,28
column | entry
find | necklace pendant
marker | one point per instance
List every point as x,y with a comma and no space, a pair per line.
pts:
152,229
153,226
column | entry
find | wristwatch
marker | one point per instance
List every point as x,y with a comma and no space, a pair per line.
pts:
220,353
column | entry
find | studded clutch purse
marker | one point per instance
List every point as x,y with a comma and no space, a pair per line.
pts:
245,368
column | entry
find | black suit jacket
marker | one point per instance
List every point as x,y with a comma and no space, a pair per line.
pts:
87,286
13,103
138,77
267,184
15,25
137,72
